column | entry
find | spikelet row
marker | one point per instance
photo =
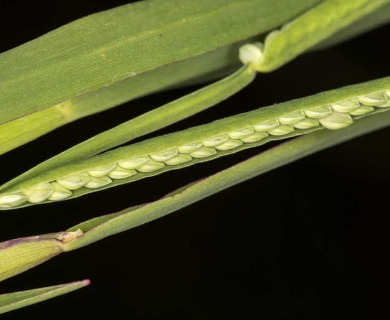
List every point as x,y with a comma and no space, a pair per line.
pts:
333,116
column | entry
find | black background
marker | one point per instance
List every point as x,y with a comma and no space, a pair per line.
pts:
306,241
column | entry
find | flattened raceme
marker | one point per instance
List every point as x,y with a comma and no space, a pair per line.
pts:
331,116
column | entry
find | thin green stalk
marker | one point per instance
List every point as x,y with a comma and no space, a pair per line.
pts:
312,27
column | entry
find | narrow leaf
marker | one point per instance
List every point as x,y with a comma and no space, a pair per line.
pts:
16,300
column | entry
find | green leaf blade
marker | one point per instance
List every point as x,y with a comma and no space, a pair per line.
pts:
109,47
17,300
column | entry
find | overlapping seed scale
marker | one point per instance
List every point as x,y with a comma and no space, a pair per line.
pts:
346,106
265,126
179,159
101,171
95,183
255,136
190,147
164,155
39,192
60,193
292,118
134,163
361,111
377,99
74,182
216,140
281,130
242,133
387,93
306,123
230,144
203,152
319,112
121,173
151,166
12,200
336,120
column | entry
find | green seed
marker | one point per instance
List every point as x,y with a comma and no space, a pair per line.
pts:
60,193
101,171
362,111
164,155
306,123
265,126
179,159
254,137
238,134
346,106
95,183
336,121
134,163
228,145
151,166
74,182
190,147
39,192
216,140
281,130
374,99
120,173
319,112
12,200
292,118
203,152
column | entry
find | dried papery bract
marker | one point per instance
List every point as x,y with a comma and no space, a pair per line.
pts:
19,255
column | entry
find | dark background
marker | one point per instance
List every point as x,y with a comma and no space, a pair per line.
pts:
306,241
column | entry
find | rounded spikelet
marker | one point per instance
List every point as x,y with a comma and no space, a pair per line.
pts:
252,54
39,192
336,121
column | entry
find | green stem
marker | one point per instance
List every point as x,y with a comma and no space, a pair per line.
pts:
311,28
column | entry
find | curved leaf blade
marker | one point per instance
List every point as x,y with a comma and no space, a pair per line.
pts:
118,44
17,300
